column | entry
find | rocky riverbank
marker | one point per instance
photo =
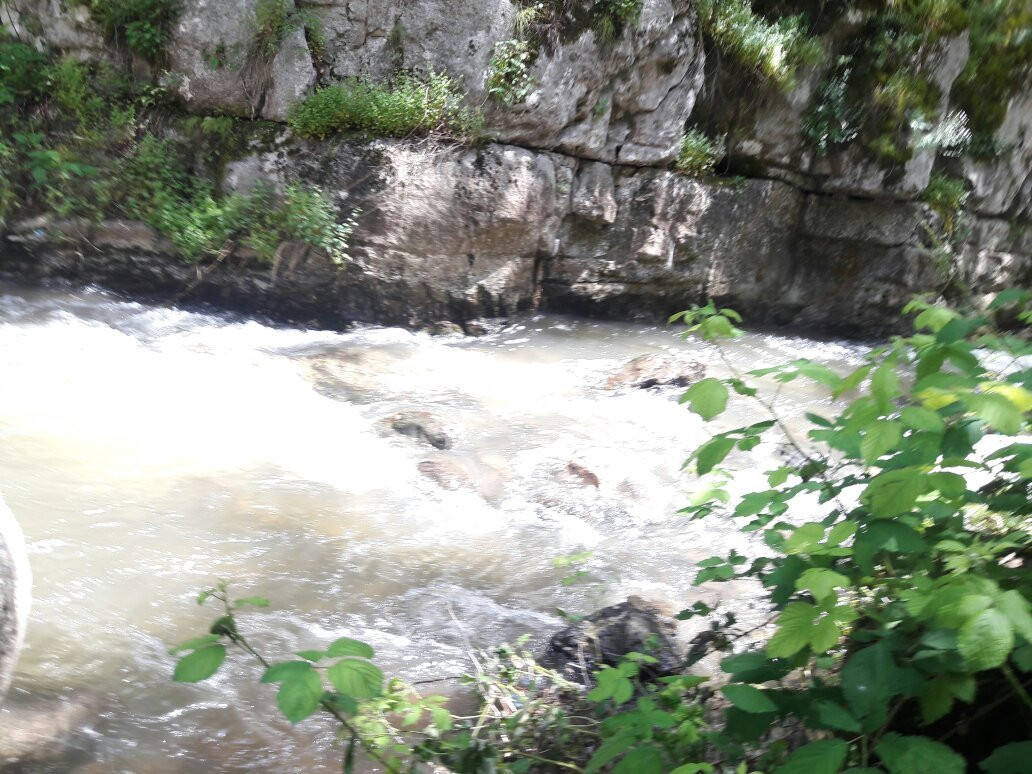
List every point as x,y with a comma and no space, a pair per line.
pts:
569,202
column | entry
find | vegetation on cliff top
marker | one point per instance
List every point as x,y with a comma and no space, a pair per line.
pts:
894,552
79,143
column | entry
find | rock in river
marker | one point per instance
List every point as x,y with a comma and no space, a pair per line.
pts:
420,426
647,371
607,635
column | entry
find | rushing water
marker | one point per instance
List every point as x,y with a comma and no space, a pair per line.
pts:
148,451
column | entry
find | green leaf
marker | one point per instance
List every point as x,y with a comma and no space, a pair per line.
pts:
885,383
840,532
346,646
299,695
936,699
795,627
643,759
280,672
712,453
755,667
824,756
253,602
707,398
879,438
869,679
312,655
917,755
821,582
199,665
835,716
694,768
1014,605
894,492
921,418
996,411
1012,758
986,640
824,635
194,644
804,538
609,750
748,698
359,679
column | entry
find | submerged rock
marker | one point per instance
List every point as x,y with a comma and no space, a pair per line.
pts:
47,733
444,328
647,371
609,634
577,473
351,375
472,475
421,426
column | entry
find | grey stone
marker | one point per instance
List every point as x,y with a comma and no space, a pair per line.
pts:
647,371
444,328
421,426
48,733
15,594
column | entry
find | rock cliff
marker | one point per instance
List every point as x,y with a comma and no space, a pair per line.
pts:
572,205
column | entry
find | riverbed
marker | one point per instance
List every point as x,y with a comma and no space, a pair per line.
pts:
149,451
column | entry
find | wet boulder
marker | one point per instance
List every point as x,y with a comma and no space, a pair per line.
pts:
654,370
48,733
444,328
421,426
453,474
15,588
576,473
607,635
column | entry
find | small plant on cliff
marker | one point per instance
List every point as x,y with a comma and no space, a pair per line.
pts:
143,25
698,154
771,49
408,106
946,195
612,17
509,79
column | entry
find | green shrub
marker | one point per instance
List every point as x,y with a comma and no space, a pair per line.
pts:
509,79
698,154
895,595
406,107
143,25
772,49
834,118
23,73
8,195
158,190
611,17
947,196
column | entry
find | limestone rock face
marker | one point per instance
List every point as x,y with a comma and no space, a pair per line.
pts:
623,101
15,594
218,64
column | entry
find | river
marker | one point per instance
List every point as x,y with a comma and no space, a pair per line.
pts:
148,451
